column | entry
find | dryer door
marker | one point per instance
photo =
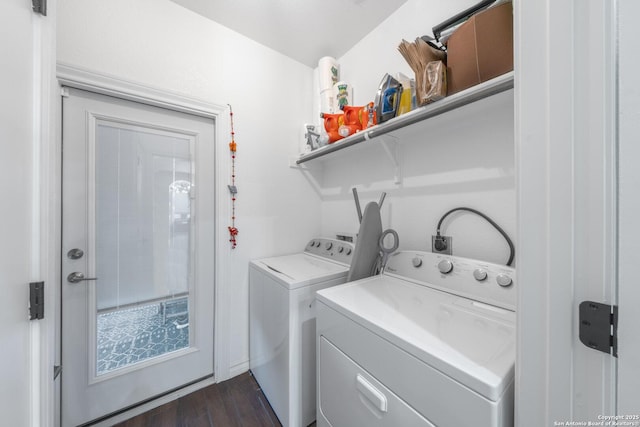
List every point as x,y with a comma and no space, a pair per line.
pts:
349,396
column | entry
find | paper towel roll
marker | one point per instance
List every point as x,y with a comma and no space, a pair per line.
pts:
328,101
328,72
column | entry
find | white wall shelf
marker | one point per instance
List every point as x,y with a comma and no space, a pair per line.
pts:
468,96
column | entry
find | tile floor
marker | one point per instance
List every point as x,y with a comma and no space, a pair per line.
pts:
139,333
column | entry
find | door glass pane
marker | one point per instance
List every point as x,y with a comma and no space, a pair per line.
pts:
143,244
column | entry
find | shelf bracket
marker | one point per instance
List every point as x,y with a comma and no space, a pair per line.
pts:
391,148
309,173
293,163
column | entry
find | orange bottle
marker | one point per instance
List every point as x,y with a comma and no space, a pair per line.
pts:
352,119
332,123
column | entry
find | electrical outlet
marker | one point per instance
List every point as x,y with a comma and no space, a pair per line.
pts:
448,250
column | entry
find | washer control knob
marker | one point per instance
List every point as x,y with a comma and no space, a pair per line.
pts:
504,280
348,251
328,245
480,274
445,266
341,249
417,262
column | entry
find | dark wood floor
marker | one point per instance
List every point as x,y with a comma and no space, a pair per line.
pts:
238,402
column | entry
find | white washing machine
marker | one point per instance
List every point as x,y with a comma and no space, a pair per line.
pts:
282,324
431,342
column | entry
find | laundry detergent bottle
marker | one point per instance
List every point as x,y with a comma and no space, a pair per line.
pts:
332,123
352,120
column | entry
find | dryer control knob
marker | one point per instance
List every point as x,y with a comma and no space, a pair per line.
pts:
504,280
341,249
480,274
445,266
417,262
348,251
328,246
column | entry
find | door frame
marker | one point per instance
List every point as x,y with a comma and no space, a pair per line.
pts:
628,206
34,136
79,78
45,214
566,162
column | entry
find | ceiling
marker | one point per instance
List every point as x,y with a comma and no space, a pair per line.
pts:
304,30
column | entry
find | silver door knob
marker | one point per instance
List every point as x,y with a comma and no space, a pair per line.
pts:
76,277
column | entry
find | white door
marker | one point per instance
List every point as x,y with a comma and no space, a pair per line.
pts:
137,253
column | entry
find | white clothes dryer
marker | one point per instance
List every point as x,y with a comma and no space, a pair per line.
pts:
282,324
430,342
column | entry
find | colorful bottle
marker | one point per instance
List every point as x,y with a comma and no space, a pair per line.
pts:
332,123
369,116
352,120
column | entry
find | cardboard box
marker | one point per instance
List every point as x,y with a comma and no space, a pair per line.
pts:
481,48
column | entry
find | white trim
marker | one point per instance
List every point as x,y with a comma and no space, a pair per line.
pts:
566,212
89,80
38,232
45,217
629,207
238,368
224,256
105,84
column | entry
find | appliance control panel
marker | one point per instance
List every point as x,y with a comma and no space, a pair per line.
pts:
481,281
334,249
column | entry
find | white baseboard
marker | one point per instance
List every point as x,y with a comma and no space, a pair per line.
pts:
238,368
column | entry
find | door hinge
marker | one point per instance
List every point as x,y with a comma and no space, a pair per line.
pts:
40,6
599,326
36,300
57,369
64,91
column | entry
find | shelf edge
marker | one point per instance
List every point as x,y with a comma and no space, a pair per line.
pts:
483,90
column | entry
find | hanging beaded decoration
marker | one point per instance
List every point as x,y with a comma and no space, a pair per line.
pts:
233,231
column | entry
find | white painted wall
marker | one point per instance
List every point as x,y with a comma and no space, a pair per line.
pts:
365,63
463,158
160,44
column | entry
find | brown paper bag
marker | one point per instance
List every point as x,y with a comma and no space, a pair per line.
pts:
433,83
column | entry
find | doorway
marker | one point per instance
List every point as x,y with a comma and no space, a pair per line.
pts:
137,253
